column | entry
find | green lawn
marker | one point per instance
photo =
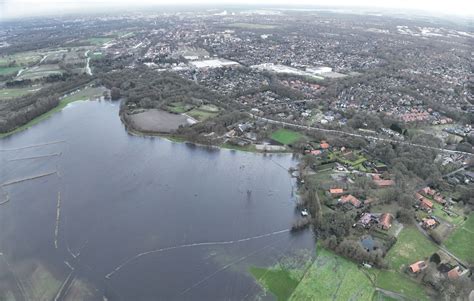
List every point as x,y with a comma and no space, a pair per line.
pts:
9,93
438,212
20,59
332,277
461,242
277,281
200,114
285,136
9,70
410,247
400,283
178,107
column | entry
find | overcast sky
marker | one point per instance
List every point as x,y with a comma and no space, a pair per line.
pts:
20,8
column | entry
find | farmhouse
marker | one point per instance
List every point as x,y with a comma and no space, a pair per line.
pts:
385,221
336,192
418,266
429,223
350,199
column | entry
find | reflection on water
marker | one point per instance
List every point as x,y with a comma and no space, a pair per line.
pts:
164,220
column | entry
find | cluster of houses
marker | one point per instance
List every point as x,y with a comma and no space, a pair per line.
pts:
425,197
446,268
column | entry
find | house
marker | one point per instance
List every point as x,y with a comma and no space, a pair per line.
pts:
439,199
385,221
454,273
384,183
350,199
427,191
429,223
418,266
426,204
366,220
324,145
336,191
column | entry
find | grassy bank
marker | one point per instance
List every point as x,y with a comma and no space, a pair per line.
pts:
84,94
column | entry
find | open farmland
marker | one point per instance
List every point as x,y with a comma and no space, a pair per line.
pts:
400,283
9,70
461,241
332,277
41,71
9,93
411,246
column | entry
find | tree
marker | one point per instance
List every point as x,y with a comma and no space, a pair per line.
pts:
115,93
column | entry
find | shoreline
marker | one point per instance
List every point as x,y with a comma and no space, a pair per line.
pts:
178,139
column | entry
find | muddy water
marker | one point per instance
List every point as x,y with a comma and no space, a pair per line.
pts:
163,220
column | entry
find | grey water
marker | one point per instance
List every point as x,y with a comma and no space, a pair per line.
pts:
122,195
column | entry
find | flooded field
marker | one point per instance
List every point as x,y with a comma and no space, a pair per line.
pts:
88,211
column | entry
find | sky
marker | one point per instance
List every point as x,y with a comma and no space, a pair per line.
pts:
23,8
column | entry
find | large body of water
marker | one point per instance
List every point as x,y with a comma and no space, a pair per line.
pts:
123,195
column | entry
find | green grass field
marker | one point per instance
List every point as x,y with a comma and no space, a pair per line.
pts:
438,212
461,242
9,93
285,136
332,277
400,283
40,71
179,107
410,247
201,115
9,70
20,59
277,281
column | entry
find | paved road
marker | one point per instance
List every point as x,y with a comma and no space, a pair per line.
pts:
288,124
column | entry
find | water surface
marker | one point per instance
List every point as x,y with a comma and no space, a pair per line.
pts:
123,195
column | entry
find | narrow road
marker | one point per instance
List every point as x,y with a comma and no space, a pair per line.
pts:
88,67
357,135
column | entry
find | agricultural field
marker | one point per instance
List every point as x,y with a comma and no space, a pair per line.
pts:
411,246
40,71
21,59
398,282
9,93
285,136
461,241
9,70
332,277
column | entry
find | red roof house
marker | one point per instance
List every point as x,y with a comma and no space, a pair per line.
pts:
350,199
418,266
